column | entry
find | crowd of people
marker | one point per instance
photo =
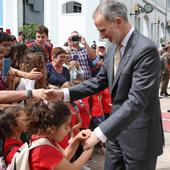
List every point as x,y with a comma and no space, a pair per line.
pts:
73,99
37,65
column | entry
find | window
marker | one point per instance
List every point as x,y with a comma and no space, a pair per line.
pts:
72,7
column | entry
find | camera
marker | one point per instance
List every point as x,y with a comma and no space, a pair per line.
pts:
75,38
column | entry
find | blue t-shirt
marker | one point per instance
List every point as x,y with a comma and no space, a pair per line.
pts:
57,79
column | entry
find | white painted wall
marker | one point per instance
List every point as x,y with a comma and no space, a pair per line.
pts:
61,25
10,15
51,19
70,22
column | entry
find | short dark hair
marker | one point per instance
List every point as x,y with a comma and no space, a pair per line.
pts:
13,38
4,37
42,29
57,51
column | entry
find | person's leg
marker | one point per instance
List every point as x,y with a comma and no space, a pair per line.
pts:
162,87
166,85
132,164
114,158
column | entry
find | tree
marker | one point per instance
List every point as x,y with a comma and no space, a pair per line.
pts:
29,31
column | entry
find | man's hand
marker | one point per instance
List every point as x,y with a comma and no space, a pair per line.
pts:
91,141
53,95
38,93
83,41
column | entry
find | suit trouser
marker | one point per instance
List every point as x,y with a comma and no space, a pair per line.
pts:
116,160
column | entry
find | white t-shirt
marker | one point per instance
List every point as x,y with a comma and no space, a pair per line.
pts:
26,84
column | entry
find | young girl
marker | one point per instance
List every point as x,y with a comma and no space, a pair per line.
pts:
52,121
11,128
31,61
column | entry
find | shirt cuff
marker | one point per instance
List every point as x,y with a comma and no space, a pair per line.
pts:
100,134
66,95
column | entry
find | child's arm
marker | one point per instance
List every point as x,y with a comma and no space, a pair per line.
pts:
32,75
71,149
78,164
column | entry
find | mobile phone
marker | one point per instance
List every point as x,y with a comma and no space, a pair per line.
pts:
6,66
75,38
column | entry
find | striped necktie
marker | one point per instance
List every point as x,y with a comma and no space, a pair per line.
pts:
117,58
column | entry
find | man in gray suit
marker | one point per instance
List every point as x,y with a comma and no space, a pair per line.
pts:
133,133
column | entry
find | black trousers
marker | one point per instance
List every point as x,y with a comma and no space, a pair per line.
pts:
116,160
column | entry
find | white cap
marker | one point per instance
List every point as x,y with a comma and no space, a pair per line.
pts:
101,44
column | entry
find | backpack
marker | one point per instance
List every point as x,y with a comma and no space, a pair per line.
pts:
20,160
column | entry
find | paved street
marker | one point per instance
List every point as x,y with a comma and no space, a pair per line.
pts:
164,160
97,161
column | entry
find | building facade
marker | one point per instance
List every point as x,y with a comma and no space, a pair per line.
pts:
64,16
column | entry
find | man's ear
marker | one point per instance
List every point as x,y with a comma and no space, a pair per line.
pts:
119,21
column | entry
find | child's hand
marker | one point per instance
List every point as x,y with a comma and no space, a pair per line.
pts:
83,135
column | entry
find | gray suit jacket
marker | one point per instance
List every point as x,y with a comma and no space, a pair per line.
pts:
136,117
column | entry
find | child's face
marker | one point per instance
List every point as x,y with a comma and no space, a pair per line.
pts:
63,130
5,47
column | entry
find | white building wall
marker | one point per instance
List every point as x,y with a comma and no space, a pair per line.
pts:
61,25
51,19
10,16
71,22
91,31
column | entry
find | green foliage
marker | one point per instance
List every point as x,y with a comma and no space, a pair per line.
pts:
29,30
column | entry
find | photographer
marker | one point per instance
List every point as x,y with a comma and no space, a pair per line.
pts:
81,54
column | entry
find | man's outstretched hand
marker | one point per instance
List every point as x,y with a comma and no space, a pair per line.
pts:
53,95
91,141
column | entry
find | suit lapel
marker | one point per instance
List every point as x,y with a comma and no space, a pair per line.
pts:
127,54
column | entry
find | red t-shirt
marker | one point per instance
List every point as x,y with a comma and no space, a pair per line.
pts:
96,109
47,48
84,108
10,147
65,142
106,101
44,157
